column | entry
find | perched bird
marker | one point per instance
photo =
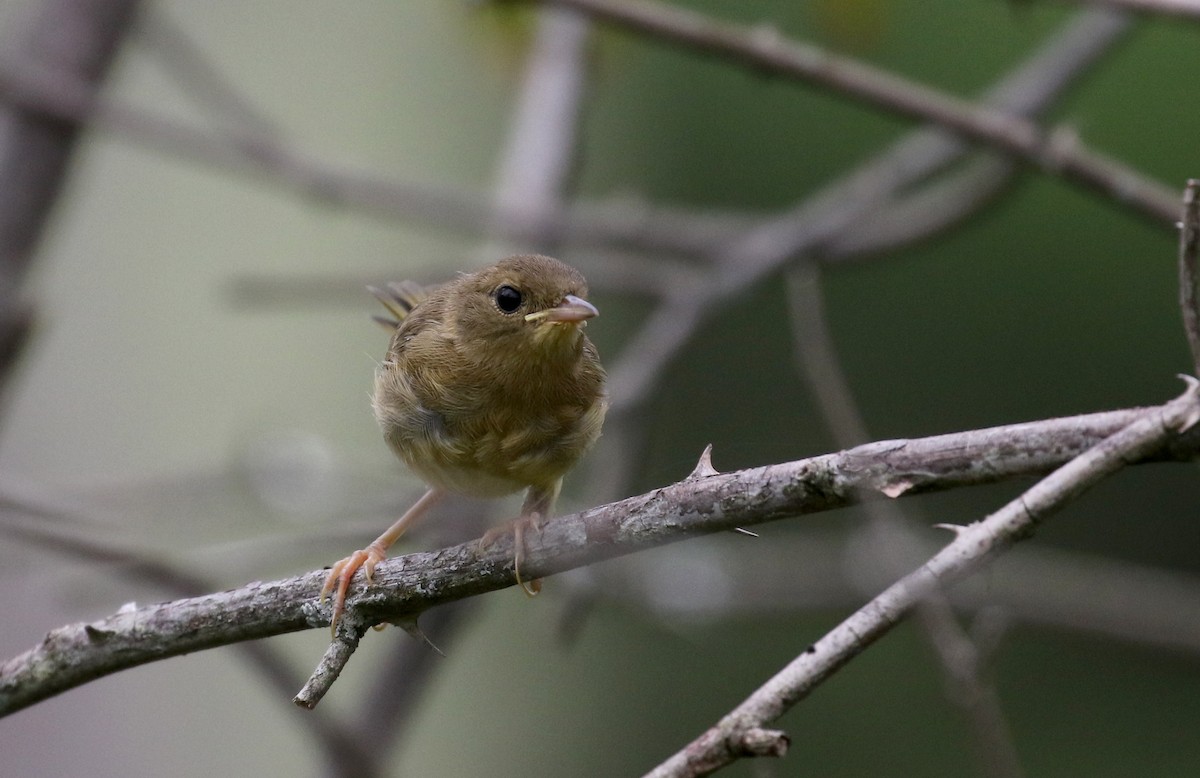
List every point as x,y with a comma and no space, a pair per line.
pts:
489,386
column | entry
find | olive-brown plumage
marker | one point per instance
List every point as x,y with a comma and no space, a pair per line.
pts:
489,386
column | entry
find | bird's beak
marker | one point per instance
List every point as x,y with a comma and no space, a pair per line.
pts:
572,309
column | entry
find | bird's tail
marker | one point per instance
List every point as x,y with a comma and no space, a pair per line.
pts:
399,298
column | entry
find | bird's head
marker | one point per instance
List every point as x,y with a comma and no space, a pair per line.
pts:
530,306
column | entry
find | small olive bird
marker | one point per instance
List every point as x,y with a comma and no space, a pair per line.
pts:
489,386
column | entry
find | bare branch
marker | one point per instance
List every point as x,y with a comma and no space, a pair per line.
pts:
408,585
338,653
1055,152
970,549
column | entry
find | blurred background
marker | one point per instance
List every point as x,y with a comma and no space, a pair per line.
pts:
189,410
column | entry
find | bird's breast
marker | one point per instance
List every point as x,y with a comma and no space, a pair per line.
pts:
485,438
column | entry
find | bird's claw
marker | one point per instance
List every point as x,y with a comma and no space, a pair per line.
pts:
517,528
342,572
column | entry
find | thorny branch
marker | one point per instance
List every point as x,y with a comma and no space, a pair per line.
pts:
407,586
973,546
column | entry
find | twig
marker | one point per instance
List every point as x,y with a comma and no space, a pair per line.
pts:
765,49
817,358
1189,244
972,546
409,585
337,654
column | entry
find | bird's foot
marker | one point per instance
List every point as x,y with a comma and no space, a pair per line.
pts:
517,527
340,575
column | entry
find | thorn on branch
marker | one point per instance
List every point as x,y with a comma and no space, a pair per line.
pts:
409,624
96,634
1193,387
897,488
763,742
957,529
704,468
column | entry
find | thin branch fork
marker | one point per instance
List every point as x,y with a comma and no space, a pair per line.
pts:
739,733
407,586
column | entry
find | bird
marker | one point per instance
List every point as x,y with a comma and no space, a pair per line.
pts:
490,385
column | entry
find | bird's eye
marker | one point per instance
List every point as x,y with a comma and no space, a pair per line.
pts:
508,299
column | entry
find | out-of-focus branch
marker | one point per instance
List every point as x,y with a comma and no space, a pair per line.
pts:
192,70
934,207
1186,9
817,227
539,156
1054,152
741,732
80,40
814,570
343,745
1189,277
77,40
839,209
961,660
406,586
619,222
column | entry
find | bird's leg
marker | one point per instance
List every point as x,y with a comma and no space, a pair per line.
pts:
343,571
539,502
